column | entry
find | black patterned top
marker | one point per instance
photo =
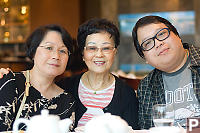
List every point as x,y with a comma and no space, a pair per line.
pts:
12,88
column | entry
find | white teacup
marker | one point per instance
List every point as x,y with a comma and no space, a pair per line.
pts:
165,129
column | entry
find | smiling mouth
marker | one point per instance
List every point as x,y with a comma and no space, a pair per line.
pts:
99,63
163,51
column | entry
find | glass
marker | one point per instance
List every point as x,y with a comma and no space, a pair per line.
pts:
160,36
162,115
94,49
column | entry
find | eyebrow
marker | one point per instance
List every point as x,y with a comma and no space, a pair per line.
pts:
101,43
156,31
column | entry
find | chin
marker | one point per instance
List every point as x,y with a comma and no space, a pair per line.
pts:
54,73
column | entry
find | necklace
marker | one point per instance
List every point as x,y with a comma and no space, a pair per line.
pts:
95,90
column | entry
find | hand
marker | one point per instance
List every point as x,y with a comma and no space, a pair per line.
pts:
4,71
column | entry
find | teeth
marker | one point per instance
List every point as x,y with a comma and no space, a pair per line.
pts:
99,62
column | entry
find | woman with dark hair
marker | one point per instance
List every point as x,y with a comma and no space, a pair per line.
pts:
97,91
25,94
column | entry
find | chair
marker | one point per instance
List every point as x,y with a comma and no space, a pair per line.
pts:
131,82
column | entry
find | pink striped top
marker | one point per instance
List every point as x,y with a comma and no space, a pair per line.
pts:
94,102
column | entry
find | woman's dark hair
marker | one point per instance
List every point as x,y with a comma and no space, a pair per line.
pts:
36,37
97,25
146,20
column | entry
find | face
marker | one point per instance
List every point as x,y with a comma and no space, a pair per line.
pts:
167,55
99,52
51,56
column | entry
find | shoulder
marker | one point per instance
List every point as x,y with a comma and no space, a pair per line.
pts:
123,87
69,83
10,77
121,83
8,84
151,80
70,80
152,77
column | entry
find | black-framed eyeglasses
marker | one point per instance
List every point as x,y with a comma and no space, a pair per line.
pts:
160,36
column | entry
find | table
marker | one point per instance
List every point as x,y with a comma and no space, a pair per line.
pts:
134,131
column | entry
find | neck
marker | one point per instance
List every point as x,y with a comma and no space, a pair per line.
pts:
182,62
41,82
98,81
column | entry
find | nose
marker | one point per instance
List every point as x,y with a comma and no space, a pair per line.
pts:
55,54
158,43
99,52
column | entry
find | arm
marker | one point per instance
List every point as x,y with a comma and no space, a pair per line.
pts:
8,103
145,119
141,110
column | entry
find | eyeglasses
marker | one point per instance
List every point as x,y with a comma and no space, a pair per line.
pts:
94,49
51,49
160,36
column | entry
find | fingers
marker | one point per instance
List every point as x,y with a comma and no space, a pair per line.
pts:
4,71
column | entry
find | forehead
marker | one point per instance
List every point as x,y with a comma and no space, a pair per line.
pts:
99,37
149,30
53,37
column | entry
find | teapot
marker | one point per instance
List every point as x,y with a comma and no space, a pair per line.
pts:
44,123
107,123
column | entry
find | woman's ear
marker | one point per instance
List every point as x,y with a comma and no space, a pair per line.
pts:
116,50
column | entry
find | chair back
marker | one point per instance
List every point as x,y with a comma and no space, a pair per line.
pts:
134,83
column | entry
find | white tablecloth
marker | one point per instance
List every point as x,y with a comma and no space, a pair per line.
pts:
134,131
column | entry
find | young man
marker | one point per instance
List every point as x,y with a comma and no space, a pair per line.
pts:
175,80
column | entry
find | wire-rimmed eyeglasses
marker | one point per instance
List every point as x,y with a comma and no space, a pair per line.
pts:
160,36
94,49
51,49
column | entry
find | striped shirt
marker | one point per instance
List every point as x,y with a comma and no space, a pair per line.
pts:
94,101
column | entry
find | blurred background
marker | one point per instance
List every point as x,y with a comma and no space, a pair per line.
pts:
18,18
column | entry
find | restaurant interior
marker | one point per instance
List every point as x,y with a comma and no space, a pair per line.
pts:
19,17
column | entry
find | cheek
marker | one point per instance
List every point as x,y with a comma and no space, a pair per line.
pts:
111,58
65,60
39,56
87,57
149,57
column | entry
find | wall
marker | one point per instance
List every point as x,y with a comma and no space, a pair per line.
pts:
64,12
138,6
